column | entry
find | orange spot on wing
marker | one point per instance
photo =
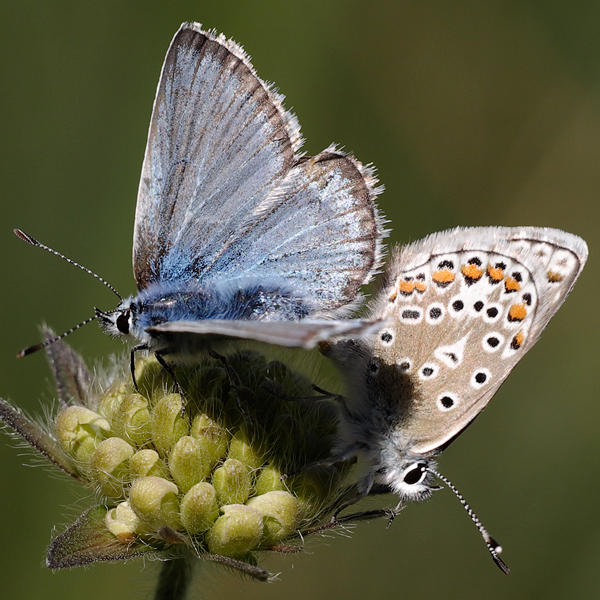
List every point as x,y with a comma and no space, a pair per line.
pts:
406,287
554,277
518,340
420,286
444,276
512,285
472,272
393,296
495,274
517,312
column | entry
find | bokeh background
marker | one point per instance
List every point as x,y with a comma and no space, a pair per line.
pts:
475,113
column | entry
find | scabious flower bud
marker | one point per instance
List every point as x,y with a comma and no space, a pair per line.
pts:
236,532
80,430
199,508
188,463
109,466
167,423
269,480
213,437
245,450
131,420
281,515
146,463
155,501
232,482
122,522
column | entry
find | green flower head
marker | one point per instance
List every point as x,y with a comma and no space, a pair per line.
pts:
219,474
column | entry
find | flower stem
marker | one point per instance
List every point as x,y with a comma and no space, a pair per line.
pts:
174,579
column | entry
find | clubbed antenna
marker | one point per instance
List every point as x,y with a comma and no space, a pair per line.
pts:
36,347
31,240
494,548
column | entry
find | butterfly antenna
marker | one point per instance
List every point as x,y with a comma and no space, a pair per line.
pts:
32,349
31,240
493,546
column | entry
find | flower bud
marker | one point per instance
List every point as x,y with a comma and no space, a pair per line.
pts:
213,438
155,502
146,463
109,466
167,424
188,462
110,402
131,420
123,522
236,532
281,512
80,430
199,508
269,480
232,482
249,453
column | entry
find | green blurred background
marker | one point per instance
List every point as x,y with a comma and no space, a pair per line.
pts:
475,113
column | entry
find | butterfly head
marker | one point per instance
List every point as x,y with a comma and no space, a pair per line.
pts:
119,322
409,478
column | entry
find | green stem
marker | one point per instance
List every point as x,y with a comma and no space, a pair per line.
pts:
174,579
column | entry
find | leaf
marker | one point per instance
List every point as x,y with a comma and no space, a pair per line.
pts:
88,541
37,438
73,378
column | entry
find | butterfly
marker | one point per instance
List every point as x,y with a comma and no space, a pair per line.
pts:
462,307
238,234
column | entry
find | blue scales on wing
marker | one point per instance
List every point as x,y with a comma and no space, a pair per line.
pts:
226,199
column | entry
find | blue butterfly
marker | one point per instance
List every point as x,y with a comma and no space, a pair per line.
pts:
237,234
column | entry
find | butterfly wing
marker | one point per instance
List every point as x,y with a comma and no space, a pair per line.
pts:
219,141
223,193
292,334
464,306
319,231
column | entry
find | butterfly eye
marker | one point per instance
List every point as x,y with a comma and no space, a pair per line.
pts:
123,322
415,475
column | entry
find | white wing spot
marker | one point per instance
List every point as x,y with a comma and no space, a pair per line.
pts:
435,313
386,337
428,371
492,342
411,315
480,378
404,364
452,355
447,401
492,312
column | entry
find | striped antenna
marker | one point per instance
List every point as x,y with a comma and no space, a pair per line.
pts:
493,546
36,347
31,240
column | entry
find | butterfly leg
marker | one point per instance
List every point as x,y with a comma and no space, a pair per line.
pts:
275,389
163,363
349,453
365,515
135,349
354,494
360,491
380,488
